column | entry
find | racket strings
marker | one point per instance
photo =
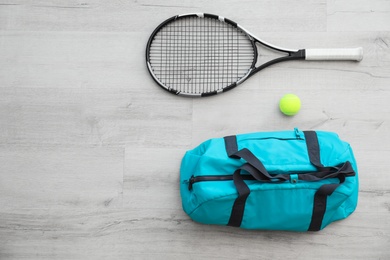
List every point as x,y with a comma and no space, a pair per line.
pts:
199,55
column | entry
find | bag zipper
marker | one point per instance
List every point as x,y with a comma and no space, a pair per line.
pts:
296,135
195,179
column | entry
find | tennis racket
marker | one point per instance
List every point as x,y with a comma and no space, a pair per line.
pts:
200,55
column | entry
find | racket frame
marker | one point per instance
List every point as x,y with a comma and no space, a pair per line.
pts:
292,54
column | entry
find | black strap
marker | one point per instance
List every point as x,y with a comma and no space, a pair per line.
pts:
238,208
231,145
255,168
313,148
261,174
319,206
344,169
321,195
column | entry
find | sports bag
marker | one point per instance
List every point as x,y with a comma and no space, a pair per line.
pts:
288,180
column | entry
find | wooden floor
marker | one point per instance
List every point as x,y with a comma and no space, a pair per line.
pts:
90,146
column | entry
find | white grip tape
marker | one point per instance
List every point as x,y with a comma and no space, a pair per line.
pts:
355,54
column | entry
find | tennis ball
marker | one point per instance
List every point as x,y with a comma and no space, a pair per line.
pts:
290,104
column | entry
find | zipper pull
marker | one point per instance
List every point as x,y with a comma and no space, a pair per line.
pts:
298,134
190,182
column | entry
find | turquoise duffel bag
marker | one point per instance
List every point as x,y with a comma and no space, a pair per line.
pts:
288,180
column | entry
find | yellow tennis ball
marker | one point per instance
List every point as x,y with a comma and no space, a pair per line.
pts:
290,104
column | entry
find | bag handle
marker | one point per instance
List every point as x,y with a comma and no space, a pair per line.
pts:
320,197
314,155
243,192
256,168
259,172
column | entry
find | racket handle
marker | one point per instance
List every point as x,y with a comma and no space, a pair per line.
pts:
355,54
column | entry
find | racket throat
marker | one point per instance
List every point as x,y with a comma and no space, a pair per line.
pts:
297,55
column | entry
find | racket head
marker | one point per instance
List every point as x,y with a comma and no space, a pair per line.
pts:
200,55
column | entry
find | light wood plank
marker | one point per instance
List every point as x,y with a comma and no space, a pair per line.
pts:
151,178
47,177
93,117
80,60
363,15
145,15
